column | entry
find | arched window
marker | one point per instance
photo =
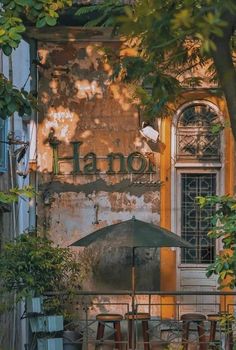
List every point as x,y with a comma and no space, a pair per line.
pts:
197,139
197,164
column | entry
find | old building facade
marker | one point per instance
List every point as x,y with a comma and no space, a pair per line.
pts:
94,168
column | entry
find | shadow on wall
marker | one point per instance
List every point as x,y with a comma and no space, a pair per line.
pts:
111,269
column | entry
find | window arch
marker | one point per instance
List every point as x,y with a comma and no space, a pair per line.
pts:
196,139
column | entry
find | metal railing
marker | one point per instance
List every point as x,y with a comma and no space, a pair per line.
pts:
173,320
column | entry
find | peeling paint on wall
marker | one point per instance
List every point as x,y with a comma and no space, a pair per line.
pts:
80,104
126,185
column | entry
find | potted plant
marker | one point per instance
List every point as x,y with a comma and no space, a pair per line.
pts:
64,304
32,265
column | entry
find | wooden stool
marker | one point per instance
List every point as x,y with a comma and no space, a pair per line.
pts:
213,319
110,318
197,318
144,318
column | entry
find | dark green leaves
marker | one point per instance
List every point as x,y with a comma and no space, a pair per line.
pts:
104,14
22,2
13,100
51,21
33,265
7,50
39,12
174,38
13,195
224,228
10,32
41,22
224,267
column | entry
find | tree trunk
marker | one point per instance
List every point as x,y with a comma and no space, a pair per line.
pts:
225,69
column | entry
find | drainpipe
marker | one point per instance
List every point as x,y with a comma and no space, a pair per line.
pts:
33,177
11,149
12,182
24,212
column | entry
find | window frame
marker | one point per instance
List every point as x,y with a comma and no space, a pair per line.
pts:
179,166
178,216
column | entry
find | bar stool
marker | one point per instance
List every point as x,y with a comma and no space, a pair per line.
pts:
195,318
144,318
213,319
110,318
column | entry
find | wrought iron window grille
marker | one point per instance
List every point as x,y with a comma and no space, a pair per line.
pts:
195,137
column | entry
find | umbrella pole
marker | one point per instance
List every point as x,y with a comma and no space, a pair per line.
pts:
133,278
133,297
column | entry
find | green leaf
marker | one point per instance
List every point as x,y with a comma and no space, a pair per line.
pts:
12,106
201,201
14,44
219,267
20,29
38,5
209,273
27,110
41,22
22,2
51,21
7,99
15,36
7,50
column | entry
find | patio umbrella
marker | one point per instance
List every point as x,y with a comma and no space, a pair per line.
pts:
133,233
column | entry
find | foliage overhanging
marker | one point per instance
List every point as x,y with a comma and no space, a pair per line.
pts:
224,228
14,15
171,40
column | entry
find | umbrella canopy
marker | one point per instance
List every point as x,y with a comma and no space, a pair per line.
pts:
134,233
130,234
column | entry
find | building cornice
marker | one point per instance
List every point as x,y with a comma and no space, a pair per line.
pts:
70,34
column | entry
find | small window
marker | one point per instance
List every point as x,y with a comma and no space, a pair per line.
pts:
195,221
3,145
195,139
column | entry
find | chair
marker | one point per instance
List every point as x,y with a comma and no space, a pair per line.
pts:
115,320
193,318
144,318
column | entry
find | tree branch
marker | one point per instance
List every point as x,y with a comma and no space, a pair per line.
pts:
225,69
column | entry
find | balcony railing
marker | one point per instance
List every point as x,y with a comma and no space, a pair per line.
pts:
161,320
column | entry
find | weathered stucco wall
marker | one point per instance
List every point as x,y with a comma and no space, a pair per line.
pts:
79,103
